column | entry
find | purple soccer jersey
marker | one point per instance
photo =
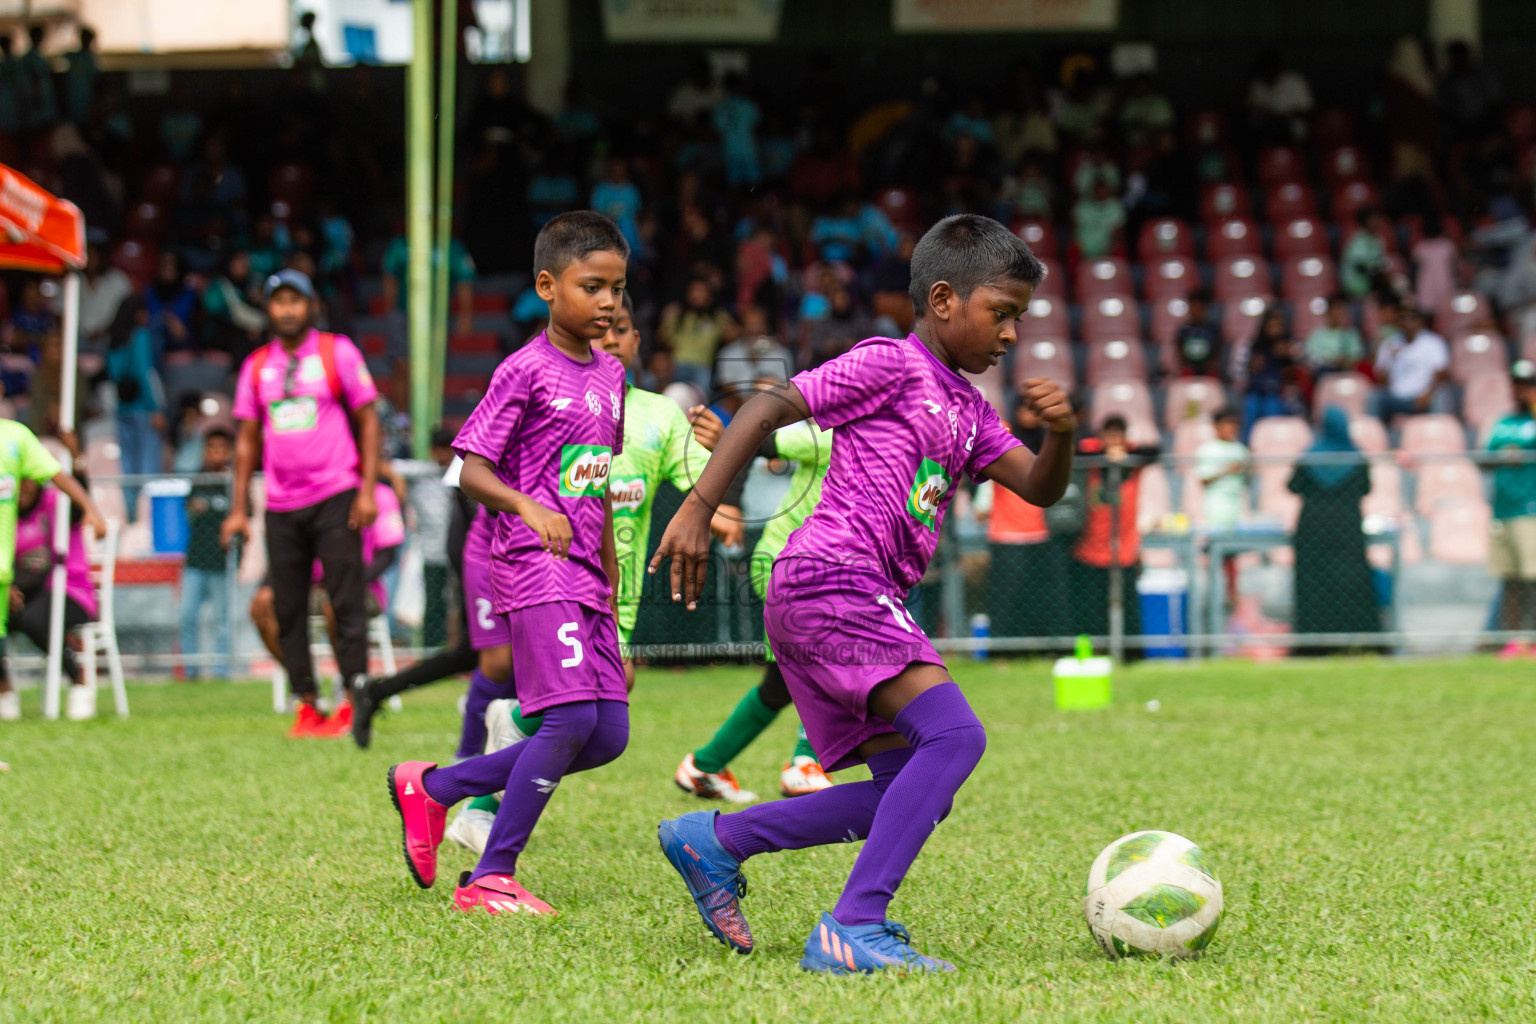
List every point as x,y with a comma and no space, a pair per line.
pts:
905,428
551,426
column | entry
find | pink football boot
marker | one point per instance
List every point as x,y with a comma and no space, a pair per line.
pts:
421,819
498,894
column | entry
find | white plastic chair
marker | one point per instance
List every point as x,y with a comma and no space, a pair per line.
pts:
100,637
378,636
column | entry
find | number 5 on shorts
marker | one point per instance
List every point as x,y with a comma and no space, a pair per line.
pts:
903,617
564,633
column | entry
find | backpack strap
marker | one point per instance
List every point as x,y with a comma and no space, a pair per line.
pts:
328,360
258,360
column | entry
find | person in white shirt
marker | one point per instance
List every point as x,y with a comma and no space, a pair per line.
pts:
1279,100
1222,465
101,294
1415,365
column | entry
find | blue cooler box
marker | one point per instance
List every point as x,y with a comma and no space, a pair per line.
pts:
1164,596
168,515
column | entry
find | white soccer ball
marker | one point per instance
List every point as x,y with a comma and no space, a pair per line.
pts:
1152,893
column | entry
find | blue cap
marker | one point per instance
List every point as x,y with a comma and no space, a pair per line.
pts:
295,279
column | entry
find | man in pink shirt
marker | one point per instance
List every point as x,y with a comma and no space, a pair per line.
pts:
305,402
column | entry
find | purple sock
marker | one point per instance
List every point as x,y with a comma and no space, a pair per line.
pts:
482,690
947,742
574,738
840,814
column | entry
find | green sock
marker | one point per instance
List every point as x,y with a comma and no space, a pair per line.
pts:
485,803
803,746
527,726
747,721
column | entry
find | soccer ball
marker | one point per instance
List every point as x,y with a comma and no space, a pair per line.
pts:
1152,893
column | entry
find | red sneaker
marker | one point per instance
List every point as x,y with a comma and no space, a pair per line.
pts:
498,894
339,724
421,819
308,721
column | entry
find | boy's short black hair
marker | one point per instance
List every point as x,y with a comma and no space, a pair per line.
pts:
224,432
575,236
969,250
442,437
1226,412
1115,422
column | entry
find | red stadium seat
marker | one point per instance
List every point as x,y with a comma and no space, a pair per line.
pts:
1334,126
1171,276
1279,437
1240,318
1045,318
1242,275
1204,128
1486,398
1345,163
1109,275
1300,236
1115,359
373,343
1478,352
1192,398
1040,236
1350,197
1303,277
1369,435
464,386
1128,398
1446,480
1168,315
293,184
1223,200
492,302
146,221
1113,316
162,183
1458,532
1235,236
1433,433
1386,497
1464,311
475,343
136,259
1166,236
901,206
1281,163
1189,435
990,383
1290,199
1307,313
1348,391
1055,283
1046,357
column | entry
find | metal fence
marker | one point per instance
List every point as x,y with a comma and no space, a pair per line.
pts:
1288,574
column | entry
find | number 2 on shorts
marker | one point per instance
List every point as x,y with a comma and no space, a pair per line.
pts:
903,617
564,633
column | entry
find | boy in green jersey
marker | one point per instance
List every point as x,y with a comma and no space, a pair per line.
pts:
23,457
1512,552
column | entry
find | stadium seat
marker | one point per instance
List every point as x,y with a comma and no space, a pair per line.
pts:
1300,236
1168,315
1045,318
993,387
1040,236
1114,316
136,259
1109,275
1485,399
1350,197
1054,285
464,386
292,184
1204,128
1237,276
373,343
1115,359
1446,480
1458,533
475,343
1240,318
1289,199
146,222
1166,236
1369,435
1275,499
1334,126
492,302
1308,314
1277,164
1348,391
1280,435
1433,433
1520,123
1305,277
1192,398
1465,310
161,185
1478,352
1224,200
1171,277
1233,236
1386,497
1131,399
1189,435
1283,437
902,207
1154,500
1045,357
1344,163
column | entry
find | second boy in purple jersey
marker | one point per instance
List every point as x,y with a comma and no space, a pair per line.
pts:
868,684
537,450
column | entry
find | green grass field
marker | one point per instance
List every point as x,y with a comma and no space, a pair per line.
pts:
1371,822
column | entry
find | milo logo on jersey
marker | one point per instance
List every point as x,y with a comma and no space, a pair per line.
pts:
627,495
584,470
929,485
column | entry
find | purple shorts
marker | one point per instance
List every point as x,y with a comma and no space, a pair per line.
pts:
837,633
565,652
487,628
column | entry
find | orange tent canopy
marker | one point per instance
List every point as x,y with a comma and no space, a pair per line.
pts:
38,231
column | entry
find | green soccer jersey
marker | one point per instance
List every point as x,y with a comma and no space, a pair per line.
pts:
810,449
658,446
1514,486
22,457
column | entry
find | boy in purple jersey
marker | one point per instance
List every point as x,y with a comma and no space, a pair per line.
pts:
537,450
867,683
